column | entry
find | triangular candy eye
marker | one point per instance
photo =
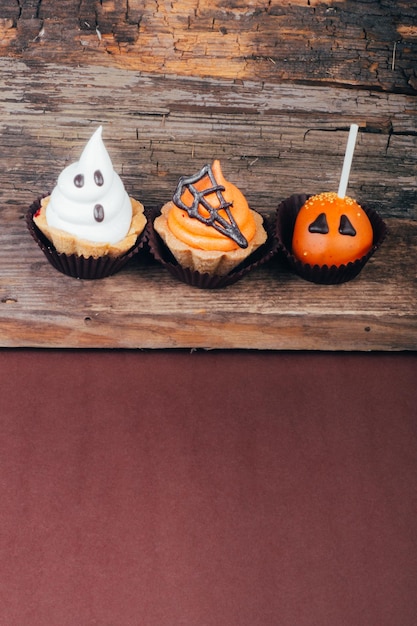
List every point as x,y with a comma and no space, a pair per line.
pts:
319,225
345,227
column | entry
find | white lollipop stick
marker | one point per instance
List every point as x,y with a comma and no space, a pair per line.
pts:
350,147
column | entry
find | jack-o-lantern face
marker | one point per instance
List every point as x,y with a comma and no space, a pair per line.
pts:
331,231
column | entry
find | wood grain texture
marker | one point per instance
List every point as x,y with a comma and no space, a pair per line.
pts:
144,307
273,140
366,44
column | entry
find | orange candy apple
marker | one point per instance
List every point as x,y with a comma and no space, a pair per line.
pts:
330,230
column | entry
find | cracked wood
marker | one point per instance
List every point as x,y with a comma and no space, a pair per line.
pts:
370,45
273,140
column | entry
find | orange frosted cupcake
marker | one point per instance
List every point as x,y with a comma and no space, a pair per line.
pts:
208,226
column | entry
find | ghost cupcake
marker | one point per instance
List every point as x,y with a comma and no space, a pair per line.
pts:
88,227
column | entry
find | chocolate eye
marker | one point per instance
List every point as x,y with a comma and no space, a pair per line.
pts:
98,178
98,213
345,227
79,180
319,225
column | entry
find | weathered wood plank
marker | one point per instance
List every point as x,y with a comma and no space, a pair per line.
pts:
274,140
366,44
144,307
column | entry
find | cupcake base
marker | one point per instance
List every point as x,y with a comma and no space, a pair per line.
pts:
76,265
284,226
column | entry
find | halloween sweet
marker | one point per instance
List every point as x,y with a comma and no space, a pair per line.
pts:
330,230
208,226
88,227
89,212
328,238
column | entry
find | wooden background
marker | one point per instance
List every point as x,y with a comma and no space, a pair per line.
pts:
270,88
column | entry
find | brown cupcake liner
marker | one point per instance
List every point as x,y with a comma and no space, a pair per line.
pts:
74,265
161,253
284,227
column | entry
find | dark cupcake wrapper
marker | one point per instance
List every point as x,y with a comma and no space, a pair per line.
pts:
161,253
72,264
284,227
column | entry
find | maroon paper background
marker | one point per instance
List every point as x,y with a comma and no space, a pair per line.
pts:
208,489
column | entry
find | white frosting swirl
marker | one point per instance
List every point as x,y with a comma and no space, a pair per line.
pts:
89,200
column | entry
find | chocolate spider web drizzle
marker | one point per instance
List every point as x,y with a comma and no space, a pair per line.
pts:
228,228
